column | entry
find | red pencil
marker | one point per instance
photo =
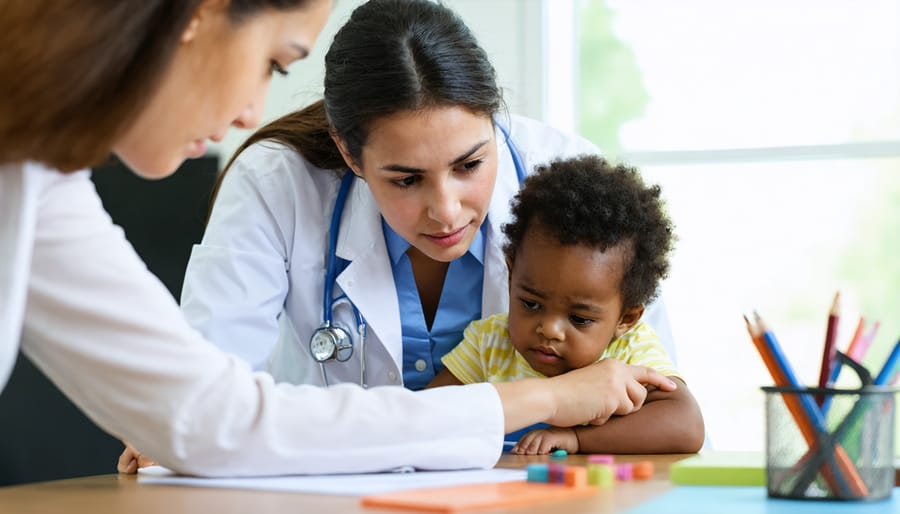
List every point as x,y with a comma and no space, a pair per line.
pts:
829,353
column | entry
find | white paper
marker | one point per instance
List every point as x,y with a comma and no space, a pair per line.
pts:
349,485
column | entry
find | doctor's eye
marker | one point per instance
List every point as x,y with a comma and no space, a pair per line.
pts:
473,165
275,67
406,181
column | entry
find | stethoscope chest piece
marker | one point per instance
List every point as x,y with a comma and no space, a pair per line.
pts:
331,342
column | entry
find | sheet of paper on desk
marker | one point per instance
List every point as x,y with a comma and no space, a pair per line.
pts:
753,500
350,485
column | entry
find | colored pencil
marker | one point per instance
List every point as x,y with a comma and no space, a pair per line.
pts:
836,368
850,428
840,475
859,352
828,351
857,337
886,375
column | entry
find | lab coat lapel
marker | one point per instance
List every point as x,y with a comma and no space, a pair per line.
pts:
495,292
368,280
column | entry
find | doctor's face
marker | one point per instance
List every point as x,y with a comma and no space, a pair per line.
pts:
432,173
218,78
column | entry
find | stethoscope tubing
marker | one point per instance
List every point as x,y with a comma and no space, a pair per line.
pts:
328,299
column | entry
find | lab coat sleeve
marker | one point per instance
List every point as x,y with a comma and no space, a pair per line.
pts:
109,335
236,280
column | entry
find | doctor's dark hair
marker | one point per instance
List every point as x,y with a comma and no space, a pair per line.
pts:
75,74
391,56
587,201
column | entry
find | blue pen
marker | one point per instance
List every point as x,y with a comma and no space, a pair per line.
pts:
890,366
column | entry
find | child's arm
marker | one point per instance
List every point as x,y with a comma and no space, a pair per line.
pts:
669,422
444,378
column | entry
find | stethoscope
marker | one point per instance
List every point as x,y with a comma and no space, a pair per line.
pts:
330,341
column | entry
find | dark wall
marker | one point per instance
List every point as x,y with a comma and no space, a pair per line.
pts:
42,435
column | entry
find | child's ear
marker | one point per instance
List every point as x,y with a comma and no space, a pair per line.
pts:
509,265
629,319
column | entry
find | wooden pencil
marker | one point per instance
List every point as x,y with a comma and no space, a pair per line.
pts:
828,353
806,416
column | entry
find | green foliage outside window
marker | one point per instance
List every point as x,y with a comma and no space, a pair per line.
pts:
611,90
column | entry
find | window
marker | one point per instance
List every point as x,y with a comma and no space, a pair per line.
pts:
774,130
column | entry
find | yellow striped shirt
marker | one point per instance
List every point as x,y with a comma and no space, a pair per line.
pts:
486,354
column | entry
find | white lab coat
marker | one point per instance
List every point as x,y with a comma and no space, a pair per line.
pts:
108,334
254,286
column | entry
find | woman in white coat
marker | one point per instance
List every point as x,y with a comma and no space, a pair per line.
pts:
413,107
151,81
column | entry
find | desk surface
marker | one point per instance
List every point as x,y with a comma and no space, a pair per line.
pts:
122,494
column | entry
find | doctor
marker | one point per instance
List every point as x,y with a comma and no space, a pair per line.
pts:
151,80
395,256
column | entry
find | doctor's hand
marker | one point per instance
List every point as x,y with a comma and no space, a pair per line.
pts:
602,390
131,460
588,395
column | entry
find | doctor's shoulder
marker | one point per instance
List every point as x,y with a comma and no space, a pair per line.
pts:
540,143
277,169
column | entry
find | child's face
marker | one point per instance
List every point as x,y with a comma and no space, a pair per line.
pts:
565,302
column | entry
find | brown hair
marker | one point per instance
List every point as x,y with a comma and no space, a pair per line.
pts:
391,56
74,74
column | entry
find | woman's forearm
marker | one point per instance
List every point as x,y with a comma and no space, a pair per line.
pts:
588,395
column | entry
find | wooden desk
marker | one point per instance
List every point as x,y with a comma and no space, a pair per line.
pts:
122,494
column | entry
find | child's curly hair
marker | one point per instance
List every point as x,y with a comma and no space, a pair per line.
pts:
585,200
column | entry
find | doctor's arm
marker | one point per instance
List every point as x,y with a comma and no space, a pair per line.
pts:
555,400
236,282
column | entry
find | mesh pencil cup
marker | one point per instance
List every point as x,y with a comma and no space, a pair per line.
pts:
847,453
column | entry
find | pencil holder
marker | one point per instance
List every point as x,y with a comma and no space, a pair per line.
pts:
844,452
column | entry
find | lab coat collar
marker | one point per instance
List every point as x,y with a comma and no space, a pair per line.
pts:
368,280
495,293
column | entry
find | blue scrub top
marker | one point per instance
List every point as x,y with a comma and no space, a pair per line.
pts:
458,306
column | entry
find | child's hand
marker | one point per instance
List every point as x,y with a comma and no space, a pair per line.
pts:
545,440
131,460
